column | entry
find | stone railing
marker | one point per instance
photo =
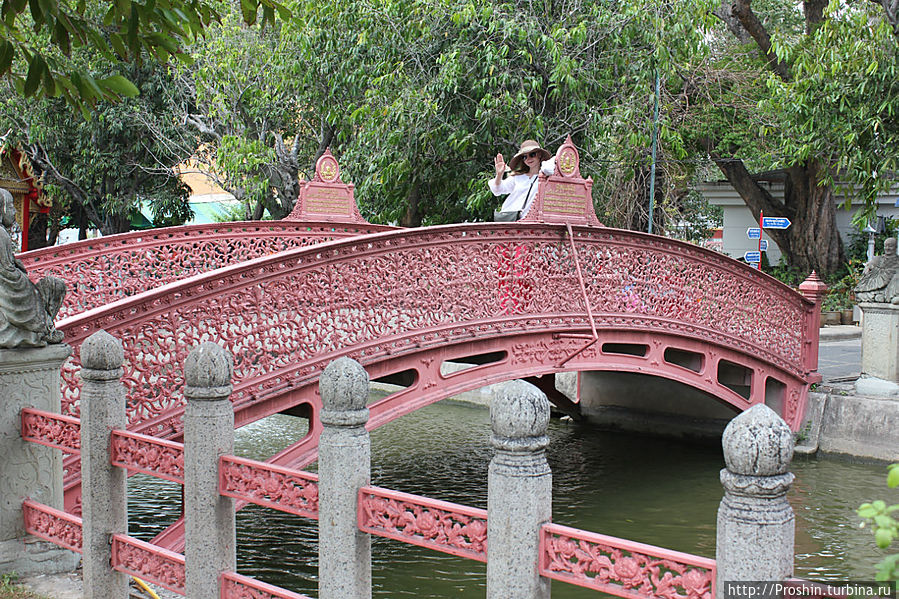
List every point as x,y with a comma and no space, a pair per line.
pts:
523,549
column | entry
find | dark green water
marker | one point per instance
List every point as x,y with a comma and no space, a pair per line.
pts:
650,490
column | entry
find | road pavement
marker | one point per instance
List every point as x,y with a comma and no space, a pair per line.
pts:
840,353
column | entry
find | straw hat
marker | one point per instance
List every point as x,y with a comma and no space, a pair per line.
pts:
528,146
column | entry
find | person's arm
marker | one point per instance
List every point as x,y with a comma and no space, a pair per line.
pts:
498,185
548,167
500,165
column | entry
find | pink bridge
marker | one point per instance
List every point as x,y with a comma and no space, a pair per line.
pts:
513,300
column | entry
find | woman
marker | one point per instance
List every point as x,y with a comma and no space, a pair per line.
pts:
521,185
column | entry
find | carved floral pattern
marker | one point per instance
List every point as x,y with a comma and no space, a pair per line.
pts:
52,525
623,568
148,562
292,491
53,430
235,586
284,317
141,453
438,525
100,271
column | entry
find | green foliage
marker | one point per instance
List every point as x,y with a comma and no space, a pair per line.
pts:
840,103
786,273
858,240
10,590
884,526
37,38
108,165
841,287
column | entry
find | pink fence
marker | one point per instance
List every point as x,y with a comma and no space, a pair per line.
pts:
614,566
142,453
439,525
52,525
148,562
235,586
623,568
283,489
52,430
100,271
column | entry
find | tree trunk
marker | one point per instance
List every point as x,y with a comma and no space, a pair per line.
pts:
412,217
812,242
37,232
116,223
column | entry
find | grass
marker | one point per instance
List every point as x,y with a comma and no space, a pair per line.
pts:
10,590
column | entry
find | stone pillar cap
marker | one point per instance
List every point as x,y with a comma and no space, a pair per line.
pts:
758,443
519,416
102,351
207,372
344,386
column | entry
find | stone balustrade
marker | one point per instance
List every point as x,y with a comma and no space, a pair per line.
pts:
523,549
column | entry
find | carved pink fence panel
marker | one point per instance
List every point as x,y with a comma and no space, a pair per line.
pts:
623,568
142,453
235,586
283,489
148,562
103,270
440,525
52,525
284,317
52,430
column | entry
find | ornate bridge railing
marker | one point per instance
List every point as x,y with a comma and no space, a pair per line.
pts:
615,566
400,293
100,271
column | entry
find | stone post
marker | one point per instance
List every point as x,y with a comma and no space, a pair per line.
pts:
880,350
104,487
755,522
209,543
344,466
519,493
29,378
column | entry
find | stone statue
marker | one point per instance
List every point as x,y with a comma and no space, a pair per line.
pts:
27,311
880,280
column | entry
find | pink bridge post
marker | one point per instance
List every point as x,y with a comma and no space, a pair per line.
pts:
813,289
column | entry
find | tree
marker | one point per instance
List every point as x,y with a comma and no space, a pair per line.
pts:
810,95
103,168
36,39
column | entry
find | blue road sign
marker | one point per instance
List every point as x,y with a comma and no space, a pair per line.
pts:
775,222
754,233
763,245
752,256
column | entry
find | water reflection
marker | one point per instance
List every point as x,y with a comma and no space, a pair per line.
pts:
651,490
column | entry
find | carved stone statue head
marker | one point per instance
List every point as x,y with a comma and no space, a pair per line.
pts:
7,208
889,246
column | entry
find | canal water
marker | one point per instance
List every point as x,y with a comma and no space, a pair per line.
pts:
656,491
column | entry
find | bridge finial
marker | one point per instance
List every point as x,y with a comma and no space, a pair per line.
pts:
207,372
758,443
519,417
344,389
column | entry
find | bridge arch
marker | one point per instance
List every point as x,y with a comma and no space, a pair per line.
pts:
400,293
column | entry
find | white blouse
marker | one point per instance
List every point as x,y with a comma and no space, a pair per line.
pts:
520,188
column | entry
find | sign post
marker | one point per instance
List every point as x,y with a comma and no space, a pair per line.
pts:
754,258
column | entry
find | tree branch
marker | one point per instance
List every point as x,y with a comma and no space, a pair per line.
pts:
742,9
